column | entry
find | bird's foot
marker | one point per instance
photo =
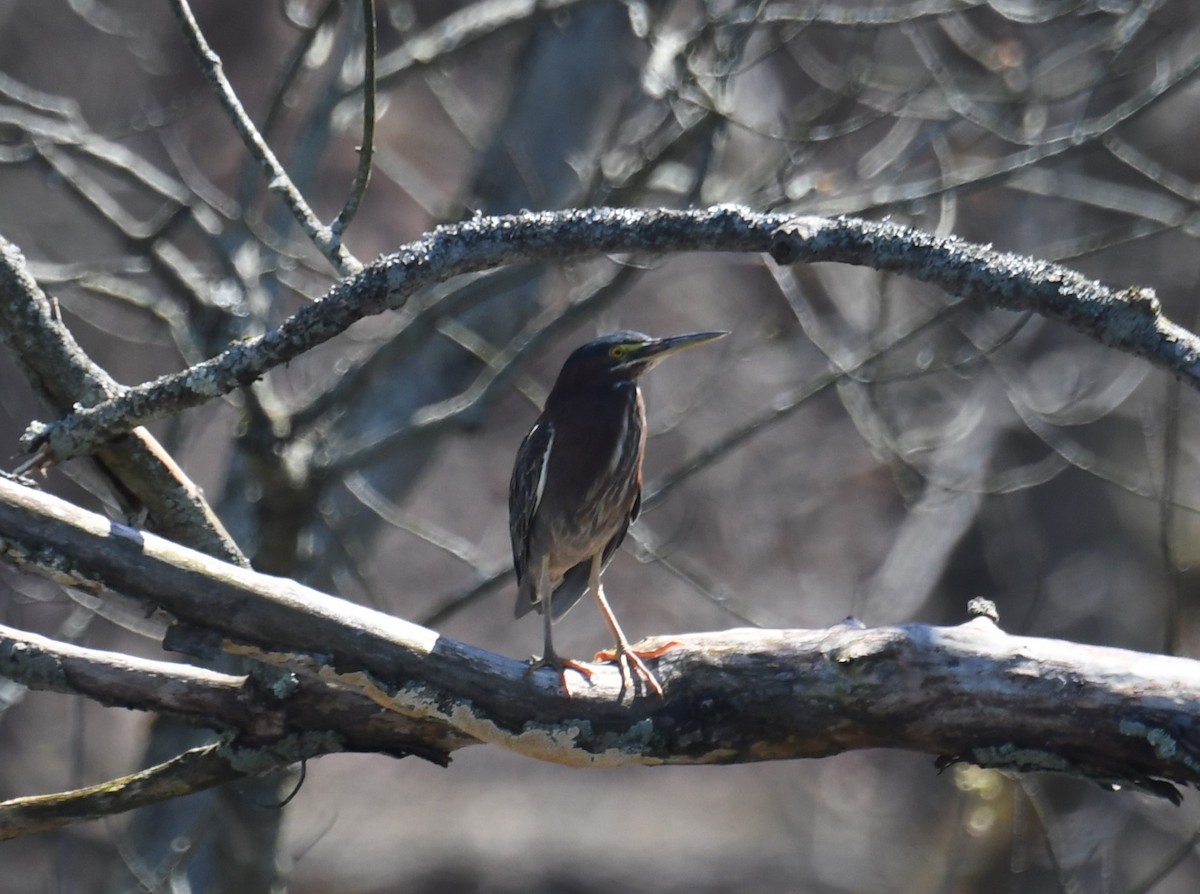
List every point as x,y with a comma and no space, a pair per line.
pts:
608,656
560,666
629,660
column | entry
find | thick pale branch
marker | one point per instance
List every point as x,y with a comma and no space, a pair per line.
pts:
262,707
970,692
118,680
1129,319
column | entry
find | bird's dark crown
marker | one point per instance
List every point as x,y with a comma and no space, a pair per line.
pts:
623,356
610,355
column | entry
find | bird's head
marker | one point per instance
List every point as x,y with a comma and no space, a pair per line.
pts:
625,355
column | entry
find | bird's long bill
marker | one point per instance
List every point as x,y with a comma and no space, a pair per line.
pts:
656,350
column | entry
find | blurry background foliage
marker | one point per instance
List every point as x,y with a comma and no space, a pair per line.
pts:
888,452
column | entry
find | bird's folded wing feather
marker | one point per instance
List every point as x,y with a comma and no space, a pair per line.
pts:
525,491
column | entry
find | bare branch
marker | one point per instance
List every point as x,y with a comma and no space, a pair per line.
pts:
964,693
1130,320
366,151
478,244
264,706
193,771
464,28
65,376
119,680
278,180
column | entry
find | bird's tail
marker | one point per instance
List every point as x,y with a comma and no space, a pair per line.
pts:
574,585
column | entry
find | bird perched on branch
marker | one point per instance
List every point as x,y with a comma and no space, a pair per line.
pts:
577,485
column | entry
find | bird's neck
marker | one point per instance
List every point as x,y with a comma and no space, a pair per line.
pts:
610,391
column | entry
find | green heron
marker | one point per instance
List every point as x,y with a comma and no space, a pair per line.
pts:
577,484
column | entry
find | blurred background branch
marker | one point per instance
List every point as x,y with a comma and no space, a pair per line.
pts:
863,444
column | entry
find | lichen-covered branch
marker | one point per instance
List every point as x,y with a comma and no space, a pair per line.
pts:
1129,319
64,376
192,771
259,707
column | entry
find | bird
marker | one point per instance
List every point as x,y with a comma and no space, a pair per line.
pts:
577,485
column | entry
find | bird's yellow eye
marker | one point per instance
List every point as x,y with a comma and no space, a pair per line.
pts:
617,352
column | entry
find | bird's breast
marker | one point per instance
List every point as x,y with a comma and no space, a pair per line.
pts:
593,477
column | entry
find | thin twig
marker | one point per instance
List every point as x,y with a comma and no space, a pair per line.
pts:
367,150
468,597
464,28
289,71
781,407
401,334
467,407
278,180
436,536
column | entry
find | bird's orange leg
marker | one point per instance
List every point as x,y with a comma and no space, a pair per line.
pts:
550,658
622,654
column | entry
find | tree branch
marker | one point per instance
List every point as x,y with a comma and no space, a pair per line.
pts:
261,707
63,376
278,181
366,150
193,771
462,29
1130,319
963,693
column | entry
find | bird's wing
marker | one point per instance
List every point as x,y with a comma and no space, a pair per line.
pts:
614,544
525,490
